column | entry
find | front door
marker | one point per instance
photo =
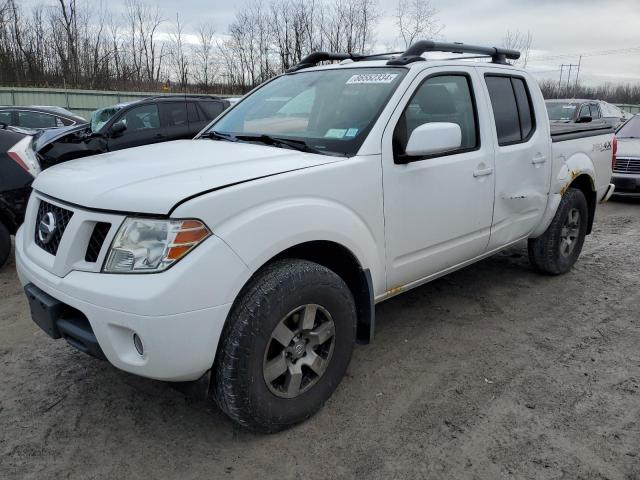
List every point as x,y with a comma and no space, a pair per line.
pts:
143,127
438,210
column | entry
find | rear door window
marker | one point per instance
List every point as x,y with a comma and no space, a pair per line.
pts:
595,111
193,114
505,110
175,113
30,119
212,109
5,117
512,109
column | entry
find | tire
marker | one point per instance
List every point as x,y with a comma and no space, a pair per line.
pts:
5,244
558,248
250,382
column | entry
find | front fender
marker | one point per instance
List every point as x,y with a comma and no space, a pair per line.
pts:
262,232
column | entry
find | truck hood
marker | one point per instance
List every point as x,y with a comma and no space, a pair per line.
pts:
628,147
154,178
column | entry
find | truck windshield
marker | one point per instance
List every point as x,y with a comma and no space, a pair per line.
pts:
631,129
331,111
561,112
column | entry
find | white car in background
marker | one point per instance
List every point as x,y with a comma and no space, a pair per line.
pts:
626,171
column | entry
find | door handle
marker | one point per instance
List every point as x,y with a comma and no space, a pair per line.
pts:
482,172
539,158
158,136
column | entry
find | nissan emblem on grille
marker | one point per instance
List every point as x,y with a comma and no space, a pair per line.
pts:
47,227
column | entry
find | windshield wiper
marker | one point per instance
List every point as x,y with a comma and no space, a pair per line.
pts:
299,145
217,136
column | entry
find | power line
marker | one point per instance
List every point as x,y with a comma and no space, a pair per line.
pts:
619,51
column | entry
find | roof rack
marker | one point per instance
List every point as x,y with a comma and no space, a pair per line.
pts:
412,54
182,95
415,51
314,58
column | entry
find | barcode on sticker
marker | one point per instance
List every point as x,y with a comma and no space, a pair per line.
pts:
372,78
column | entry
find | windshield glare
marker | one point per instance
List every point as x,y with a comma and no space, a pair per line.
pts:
631,129
331,110
561,111
100,117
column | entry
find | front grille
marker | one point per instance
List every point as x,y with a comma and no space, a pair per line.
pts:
96,241
627,165
51,227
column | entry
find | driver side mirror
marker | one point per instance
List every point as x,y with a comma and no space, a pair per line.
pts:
118,128
584,119
434,138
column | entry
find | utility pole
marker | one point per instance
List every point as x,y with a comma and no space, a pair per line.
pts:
571,67
575,88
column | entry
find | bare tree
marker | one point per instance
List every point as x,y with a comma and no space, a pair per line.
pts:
417,20
179,55
204,56
517,40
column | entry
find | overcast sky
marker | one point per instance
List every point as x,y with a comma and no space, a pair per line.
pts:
558,27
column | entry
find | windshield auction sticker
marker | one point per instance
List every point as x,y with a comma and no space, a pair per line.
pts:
372,78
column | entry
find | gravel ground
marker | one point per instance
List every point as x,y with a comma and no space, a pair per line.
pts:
491,372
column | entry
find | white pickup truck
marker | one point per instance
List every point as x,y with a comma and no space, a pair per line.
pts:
249,260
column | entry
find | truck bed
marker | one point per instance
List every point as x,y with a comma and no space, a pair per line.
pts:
569,131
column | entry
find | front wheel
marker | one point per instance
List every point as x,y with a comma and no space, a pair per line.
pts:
286,346
5,244
559,247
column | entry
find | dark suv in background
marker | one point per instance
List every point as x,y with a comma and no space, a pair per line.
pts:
152,120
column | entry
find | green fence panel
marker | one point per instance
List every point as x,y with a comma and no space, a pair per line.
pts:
81,102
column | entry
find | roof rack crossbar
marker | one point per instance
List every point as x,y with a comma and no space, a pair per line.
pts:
415,51
314,58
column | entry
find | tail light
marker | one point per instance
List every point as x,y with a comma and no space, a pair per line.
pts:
614,149
22,153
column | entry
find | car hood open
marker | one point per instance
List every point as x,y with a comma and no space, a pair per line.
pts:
154,178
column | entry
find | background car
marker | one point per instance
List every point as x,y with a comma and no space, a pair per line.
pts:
576,111
152,120
40,118
614,115
18,168
626,172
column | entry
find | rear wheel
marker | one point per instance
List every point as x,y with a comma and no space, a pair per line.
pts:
5,244
557,249
286,346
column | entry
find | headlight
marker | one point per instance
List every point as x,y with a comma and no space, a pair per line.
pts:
147,245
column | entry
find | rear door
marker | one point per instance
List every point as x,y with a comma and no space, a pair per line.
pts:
143,127
523,155
437,209
173,115
197,118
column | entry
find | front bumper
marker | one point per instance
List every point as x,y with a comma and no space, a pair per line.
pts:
178,314
627,185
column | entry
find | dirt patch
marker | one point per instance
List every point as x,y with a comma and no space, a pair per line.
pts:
491,372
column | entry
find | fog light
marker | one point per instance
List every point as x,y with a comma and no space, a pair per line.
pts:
138,344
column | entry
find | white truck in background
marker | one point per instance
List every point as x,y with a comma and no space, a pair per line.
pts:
249,260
